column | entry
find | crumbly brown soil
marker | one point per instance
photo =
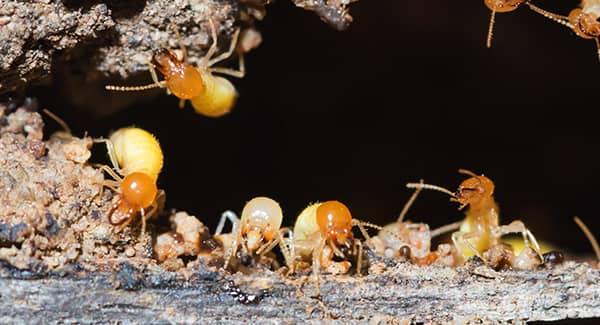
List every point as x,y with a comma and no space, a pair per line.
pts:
53,206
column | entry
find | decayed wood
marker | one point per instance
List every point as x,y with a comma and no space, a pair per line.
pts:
401,292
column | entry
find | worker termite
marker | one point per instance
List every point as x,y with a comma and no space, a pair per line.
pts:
257,232
137,160
499,6
590,237
481,230
210,95
324,231
583,21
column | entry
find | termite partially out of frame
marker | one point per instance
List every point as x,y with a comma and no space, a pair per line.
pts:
499,6
210,95
583,20
137,160
481,229
256,233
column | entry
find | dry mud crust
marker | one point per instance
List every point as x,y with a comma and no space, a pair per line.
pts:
52,203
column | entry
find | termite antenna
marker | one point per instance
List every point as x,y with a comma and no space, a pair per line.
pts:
488,42
132,88
446,229
598,47
410,202
467,172
431,187
589,236
58,120
563,20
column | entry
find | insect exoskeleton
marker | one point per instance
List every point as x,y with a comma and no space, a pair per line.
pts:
481,230
210,95
256,233
583,20
137,160
499,6
324,231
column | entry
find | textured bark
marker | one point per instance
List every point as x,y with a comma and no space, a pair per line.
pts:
402,292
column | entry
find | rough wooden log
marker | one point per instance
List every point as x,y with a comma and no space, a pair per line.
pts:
400,293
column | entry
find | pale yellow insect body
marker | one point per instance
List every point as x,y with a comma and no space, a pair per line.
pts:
218,98
137,150
306,232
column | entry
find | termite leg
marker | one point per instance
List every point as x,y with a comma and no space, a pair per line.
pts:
409,203
237,234
240,73
110,148
213,47
518,226
225,55
227,215
459,238
360,257
111,172
316,265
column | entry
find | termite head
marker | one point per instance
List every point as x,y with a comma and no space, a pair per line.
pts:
261,220
335,222
474,189
138,191
182,79
503,5
585,24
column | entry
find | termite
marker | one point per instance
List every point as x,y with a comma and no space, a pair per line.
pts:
583,20
408,240
257,232
210,95
481,229
590,237
323,231
499,6
137,160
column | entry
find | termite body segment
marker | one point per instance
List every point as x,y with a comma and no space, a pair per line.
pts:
137,160
256,233
210,95
481,229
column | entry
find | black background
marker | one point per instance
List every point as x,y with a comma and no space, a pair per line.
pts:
409,91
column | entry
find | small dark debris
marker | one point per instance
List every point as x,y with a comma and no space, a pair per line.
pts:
52,227
242,297
128,277
13,234
95,214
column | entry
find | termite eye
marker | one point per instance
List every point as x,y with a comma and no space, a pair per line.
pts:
139,190
334,220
